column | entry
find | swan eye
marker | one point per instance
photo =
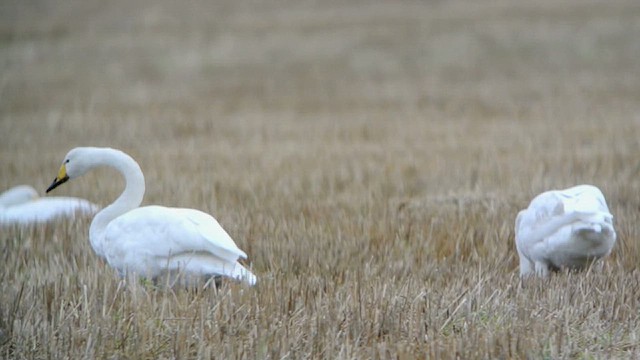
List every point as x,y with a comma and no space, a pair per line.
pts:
66,161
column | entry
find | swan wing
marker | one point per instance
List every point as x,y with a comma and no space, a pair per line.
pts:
584,198
157,233
541,209
211,231
46,209
69,205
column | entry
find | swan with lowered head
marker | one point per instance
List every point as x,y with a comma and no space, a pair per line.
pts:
564,229
22,205
152,240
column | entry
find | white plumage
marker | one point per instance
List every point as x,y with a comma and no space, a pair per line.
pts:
21,205
152,240
564,229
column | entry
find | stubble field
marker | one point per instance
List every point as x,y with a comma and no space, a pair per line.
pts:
370,158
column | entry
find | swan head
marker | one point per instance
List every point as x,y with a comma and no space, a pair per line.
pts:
18,195
75,164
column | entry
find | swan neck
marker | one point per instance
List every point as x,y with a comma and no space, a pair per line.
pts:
128,200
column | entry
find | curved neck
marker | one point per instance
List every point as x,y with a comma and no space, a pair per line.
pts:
130,198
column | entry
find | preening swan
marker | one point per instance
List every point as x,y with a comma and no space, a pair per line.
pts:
564,228
21,205
152,240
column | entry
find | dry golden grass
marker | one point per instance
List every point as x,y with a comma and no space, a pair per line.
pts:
370,157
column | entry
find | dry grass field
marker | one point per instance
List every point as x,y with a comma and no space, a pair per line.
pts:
369,156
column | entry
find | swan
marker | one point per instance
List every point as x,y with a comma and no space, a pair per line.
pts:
22,205
567,228
152,241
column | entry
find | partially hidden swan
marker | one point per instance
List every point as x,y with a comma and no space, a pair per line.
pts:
22,205
152,241
564,229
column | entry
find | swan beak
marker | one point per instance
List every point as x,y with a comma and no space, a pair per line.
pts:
60,179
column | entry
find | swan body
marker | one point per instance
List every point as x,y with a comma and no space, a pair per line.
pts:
152,240
22,205
564,229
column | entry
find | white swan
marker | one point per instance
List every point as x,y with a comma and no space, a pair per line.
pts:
21,205
564,228
152,240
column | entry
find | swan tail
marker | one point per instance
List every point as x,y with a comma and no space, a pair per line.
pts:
235,271
205,264
241,273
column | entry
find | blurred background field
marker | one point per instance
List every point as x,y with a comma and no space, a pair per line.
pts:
369,156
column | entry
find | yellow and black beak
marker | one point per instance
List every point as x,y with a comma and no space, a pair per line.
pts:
61,179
